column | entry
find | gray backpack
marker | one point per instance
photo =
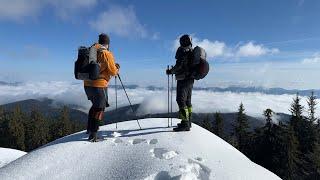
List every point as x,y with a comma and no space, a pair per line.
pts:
86,67
200,65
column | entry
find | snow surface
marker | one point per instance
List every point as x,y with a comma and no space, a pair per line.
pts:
154,153
8,155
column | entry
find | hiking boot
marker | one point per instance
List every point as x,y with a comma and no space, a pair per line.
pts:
180,124
93,137
184,126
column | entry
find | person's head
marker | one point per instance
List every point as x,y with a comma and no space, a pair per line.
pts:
104,39
185,40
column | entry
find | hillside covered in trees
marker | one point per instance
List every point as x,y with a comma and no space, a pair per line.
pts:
290,149
28,131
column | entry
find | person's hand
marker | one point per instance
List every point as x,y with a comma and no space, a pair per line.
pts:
168,71
117,65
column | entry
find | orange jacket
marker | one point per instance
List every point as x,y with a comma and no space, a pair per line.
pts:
107,69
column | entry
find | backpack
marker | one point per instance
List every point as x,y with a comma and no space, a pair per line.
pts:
200,66
86,66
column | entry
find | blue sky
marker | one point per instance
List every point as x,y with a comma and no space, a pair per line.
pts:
249,42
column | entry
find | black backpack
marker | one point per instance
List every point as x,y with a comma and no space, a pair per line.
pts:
86,66
200,65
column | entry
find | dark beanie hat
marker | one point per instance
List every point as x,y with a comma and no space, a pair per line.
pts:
185,40
104,39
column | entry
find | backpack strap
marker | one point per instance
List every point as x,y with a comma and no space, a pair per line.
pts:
102,48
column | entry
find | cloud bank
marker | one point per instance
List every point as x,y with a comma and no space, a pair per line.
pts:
151,101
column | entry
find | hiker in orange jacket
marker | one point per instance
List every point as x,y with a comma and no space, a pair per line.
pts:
96,90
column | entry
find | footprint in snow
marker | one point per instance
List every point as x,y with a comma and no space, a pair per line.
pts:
117,140
162,153
153,141
136,141
162,175
195,170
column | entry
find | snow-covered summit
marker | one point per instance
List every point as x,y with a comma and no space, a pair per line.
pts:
156,152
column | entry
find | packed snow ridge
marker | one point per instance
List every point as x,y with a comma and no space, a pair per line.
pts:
8,155
153,153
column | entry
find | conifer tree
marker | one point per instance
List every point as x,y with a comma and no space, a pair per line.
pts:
37,130
289,159
16,130
264,142
312,102
304,130
1,112
207,124
296,112
241,129
313,163
268,114
218,125
62,126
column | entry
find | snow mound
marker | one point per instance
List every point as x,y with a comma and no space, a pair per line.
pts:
154,153
8,155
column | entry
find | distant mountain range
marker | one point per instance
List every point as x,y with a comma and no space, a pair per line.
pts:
237,89
47,108
3,83
234,89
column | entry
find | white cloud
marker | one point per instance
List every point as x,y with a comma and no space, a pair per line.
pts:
64,9
17,10
314,59
213,49
220,49
152,101
251,49
121,21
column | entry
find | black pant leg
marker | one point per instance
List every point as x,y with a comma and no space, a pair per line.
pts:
190,83
181,94
89,123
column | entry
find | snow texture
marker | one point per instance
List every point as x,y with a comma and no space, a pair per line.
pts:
154,153
8,155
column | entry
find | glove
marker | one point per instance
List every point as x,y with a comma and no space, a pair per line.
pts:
168,71
117,65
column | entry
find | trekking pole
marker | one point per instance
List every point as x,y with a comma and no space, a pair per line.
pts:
168,97
116,89
128,99
171,95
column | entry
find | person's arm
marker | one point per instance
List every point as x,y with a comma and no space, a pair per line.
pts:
179,63
111,65
177,67
109,62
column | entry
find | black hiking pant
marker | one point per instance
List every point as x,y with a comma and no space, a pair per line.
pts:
99,99
184,93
